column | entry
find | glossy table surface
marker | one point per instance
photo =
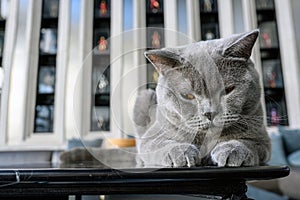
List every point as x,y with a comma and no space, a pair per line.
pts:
39,181
80,173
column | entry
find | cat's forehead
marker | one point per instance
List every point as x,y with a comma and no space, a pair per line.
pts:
198,81
201,68
199,53
202,57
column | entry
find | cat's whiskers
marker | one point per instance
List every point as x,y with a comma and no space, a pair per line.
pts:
250,117
241,122
252,122
228,119
238,127
196,123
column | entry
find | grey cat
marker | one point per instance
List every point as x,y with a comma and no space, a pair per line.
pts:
206,108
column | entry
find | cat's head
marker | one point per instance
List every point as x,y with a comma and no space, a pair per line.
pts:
209,83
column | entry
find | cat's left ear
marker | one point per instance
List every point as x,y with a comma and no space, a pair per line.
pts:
242,45
163,59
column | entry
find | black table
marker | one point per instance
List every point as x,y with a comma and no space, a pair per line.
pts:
57,183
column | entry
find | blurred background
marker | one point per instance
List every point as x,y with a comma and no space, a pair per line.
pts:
54,87
71,68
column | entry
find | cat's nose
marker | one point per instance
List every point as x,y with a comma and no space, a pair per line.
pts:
210,115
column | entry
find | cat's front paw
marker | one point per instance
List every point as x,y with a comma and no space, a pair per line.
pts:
181,155
233,154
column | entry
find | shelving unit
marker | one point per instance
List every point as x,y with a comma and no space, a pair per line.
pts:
155,35
209,19
271,64
100,114
44,108
2,32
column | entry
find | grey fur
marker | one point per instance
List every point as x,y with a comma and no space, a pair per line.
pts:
222,123
144,111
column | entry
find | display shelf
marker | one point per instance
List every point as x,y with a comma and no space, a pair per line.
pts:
155,36
2,23
154,6
2,31
101,22
208,6
209,19
44,115
47,59
264,4
274,92
101,70
102,99
100,118
269,53
265,15
276,107
50,9
49,22
272,75
2,34
44,106
45,99
102,9
275,101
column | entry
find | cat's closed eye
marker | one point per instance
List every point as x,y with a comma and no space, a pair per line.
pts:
229,89
188,96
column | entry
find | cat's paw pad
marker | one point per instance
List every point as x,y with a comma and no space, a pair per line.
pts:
183,155
233,154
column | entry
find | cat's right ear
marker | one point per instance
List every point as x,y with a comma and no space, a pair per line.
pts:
163,60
